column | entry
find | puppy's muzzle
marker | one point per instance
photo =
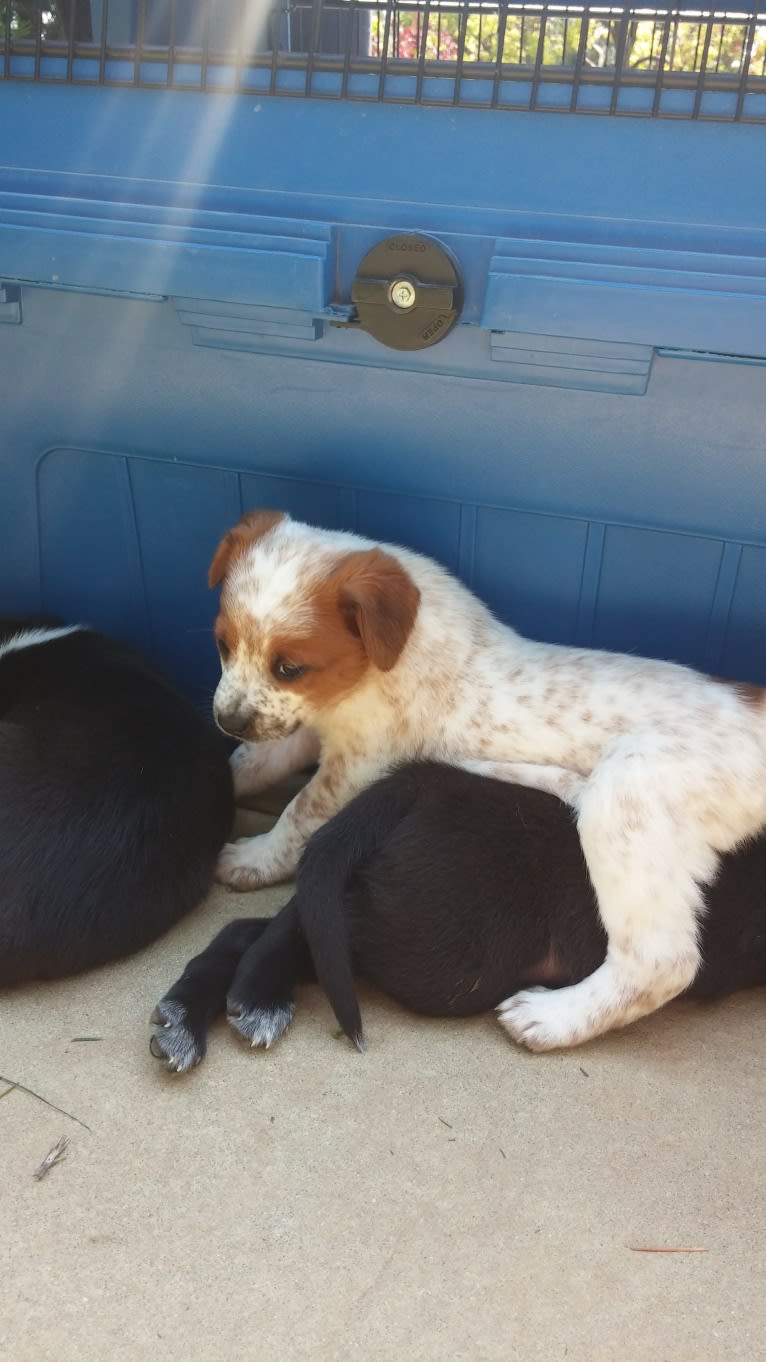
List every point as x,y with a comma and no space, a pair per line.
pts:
237,721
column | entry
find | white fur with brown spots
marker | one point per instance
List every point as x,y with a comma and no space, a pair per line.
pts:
371,655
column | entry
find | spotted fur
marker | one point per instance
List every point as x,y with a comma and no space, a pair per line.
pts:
665,767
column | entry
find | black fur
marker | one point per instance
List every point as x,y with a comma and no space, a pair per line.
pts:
450,891
115,798
250,968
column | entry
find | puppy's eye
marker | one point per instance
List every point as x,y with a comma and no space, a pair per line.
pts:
224,651
288,671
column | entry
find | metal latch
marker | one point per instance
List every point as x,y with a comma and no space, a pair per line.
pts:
407,292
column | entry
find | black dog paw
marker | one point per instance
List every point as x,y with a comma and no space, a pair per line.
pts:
179,1043
262,1025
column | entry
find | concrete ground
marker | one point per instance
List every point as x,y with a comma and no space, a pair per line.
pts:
442,1198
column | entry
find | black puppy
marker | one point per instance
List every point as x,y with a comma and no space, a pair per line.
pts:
448,891
115,798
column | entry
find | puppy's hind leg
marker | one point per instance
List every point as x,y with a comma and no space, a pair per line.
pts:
647,860
260,1002
184,1016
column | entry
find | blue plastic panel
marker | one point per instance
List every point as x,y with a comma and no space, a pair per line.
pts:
586,448
127,249
124,543
665,297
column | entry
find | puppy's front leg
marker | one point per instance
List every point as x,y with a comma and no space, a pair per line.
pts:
556,780
252,862
256,766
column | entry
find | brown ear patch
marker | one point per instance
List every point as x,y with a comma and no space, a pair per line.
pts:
752,695
379,602
250,528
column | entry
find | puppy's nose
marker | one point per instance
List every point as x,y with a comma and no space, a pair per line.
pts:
235,721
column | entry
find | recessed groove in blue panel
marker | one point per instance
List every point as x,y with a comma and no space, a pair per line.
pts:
591,575
655,593
744,654
90,557
720,607
528,568
315,502
427,525
181,513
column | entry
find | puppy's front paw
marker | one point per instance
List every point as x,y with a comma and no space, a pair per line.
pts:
534,1018
239,865
179,1042
260,1026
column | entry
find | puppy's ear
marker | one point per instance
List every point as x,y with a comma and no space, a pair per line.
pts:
251,527
379,602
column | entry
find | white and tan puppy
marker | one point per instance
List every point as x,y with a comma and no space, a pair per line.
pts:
361,656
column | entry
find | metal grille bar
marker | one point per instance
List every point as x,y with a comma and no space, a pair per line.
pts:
669,61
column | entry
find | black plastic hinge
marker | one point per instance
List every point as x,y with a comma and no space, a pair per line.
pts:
10,304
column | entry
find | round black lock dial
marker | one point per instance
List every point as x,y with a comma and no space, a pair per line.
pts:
408,292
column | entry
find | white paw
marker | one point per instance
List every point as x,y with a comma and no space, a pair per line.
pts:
541,1019
260,1026
240,865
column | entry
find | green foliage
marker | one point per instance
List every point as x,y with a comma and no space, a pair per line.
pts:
28,18
441,29
435,30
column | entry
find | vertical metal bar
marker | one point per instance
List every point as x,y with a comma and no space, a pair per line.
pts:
239,56
659,85
619,57
205,55
701,74
384,55
744,75
580,59
313,44
39,35
697,44
276,38
7,41
539,54
422,52
6,13
674,37
653,43
353,16
103,42
172,43
461,37
502,19
70,40
140,27
721,28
